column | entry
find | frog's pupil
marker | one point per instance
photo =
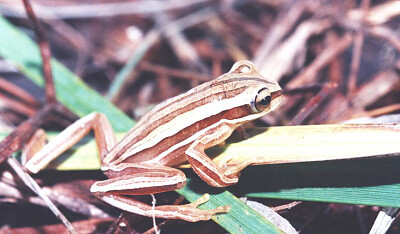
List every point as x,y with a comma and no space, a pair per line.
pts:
265,101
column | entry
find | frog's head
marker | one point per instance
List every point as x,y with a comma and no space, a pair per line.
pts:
265,95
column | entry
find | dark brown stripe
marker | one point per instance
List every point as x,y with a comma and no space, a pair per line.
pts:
172,113
168,116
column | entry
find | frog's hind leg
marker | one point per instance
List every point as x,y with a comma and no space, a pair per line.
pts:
103,133
141,179
188,212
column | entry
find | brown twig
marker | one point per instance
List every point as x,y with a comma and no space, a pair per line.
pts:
44,52
309,74
381,84
159,226
83,226
380,111
17,106
312,104
121,225
355,64
335,66
68,195
327,55
282,58
178,73
338,110
31,183
110,9
387,34
152,36
219,28
22,133
18,92
304,89
355,61
164,86
11,191
238,20
180,44
216,67
114,226
25,130
377,15
284,22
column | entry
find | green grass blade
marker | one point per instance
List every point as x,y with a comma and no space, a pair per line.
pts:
20,50
383,195
374,182
133,61
240,219
17,48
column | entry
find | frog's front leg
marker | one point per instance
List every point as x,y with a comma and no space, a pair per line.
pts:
140,179
202,164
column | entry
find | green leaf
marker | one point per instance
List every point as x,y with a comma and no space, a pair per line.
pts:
20,50
17,48
240,219
383,195
374,182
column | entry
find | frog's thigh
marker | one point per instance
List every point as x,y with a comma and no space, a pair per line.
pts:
139,179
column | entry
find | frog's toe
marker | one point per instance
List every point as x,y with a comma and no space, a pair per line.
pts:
207,214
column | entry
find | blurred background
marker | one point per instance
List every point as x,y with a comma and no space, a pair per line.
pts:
335,60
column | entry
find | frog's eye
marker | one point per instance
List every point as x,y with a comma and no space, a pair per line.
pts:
262,100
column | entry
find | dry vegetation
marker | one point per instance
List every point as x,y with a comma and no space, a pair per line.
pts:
335,60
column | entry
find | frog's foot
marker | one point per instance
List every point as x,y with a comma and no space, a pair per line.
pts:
205,214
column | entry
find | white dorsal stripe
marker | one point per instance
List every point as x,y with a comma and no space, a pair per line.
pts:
155,114
196,136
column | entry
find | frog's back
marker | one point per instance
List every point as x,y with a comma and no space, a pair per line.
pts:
163,134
